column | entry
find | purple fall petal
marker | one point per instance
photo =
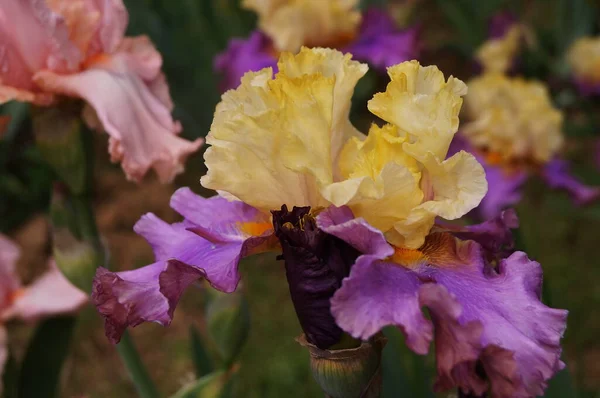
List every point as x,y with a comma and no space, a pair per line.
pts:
586,88
244,55
480,315
494,235
500,23
148,294
185,252
381,44
557,175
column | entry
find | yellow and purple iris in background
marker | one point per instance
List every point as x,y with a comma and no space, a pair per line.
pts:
287,25
50,294
77,48
513,129
584,59
354,217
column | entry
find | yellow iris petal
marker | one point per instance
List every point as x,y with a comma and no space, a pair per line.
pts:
497,55
584,59
272,140
513,117
421,103
294,23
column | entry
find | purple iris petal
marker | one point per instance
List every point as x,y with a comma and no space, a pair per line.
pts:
208,244
504,187
482,318
500,23
587,88
148,294
494,235
244,55
381,44
315,265
557,174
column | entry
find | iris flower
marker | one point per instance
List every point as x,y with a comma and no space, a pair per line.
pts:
51,294
515,132
353,217
584,59
286,25
77,48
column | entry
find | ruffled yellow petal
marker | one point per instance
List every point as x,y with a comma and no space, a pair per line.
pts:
584,59
294,23
271,139
513,118
421,103
381,181
452,188
497,55
347,73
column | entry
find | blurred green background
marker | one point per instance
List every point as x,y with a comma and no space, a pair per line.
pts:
563,238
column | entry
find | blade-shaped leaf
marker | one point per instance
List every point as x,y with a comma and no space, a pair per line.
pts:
40,372
200,356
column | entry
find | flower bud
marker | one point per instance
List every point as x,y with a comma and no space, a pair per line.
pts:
228,321
60,140
348,373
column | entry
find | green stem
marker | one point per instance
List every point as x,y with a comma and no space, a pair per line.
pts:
136,369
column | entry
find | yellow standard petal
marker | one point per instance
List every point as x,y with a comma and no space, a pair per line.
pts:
422,104
512,118
497,55
271,139
294,23
584,59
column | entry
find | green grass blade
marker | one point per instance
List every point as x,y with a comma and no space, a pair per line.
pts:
200,356
135,367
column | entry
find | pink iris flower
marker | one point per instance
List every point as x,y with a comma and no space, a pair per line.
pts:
50,294
77,48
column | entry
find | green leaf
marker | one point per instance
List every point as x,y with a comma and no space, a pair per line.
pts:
228,321
10,378
40,372
215,385
405,374
561,386
200,356
135,367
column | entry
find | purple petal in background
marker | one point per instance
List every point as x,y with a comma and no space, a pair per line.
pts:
244,55
500,23
381,44
557,174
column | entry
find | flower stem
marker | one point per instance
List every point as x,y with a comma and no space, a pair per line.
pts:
136,369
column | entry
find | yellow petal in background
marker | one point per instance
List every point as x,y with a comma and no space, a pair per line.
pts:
294,23
584,59
497,55
513,118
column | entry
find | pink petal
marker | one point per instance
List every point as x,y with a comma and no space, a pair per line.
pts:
9,282
123,91
3,353
32,37
51,294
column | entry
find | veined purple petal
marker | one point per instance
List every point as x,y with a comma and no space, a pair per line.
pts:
494,235
381,44
481,317
558,176
148,294
244,55
185,252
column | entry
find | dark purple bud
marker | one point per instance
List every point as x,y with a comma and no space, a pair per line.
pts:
315,264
